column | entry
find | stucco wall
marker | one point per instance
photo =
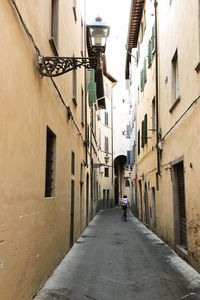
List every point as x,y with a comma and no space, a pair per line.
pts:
34,230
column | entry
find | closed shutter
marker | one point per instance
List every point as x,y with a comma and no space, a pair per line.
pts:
181,199
145,70
149,54
138,142
143,130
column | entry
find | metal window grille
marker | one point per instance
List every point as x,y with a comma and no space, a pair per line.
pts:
50,149
73,163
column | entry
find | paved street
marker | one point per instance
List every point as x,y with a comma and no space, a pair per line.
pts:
117,260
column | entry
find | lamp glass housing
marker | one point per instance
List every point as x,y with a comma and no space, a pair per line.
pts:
106,158
98,32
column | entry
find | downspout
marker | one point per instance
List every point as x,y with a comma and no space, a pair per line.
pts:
156,96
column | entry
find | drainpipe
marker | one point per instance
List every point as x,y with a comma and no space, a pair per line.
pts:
156,96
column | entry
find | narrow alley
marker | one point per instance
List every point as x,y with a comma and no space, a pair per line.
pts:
118,260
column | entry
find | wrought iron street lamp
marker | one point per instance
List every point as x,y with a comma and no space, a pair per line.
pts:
98,32
106,159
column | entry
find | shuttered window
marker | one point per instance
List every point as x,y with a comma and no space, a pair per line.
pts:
149,54
106,144
145,70
142,80
153,40
143,129
138,142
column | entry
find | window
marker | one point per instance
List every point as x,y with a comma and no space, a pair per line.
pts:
154,113
128,131
54,26
133,153
145,70
149,54
106,144
144,131
50,163
106,118
106,172
153,40
142,127
175,77
142,80
128,158
73,163
138,142
82,106
104,194
127,183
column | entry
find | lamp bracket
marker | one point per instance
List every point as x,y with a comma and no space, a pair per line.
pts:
98,165
56,66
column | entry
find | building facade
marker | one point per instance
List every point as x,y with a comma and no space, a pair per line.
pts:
164,39
47,192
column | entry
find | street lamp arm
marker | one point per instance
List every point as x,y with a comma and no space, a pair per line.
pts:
56,66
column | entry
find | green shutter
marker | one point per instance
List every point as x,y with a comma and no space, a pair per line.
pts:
138,142
142,80
149,54
91,86
145,70
92,95
142,145
145,129
153,39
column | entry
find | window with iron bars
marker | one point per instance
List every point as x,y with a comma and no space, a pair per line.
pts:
50,163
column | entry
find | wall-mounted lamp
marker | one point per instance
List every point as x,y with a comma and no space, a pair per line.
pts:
97,33
106,159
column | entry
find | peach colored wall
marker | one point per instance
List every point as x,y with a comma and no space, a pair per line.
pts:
34,230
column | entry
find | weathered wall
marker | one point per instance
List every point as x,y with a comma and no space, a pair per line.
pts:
34,230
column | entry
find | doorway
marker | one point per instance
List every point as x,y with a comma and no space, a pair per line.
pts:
72,215
87,199
179,205
153,195
141,203
146,205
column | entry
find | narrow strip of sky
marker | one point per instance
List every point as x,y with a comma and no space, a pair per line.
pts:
116,14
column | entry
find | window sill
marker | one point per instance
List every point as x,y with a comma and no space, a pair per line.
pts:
175,104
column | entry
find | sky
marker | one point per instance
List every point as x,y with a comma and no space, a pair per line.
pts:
116,14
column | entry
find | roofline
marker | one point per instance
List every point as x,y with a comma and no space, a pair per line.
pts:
136,11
